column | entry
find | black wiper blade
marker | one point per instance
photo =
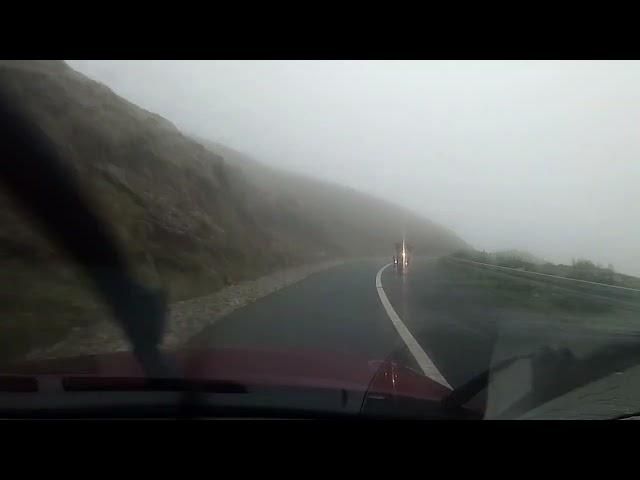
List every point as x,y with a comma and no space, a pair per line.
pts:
133,384
33,383
628,416
37,177
18,383
461,395
555,372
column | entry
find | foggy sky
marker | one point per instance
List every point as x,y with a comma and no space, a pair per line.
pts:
540,156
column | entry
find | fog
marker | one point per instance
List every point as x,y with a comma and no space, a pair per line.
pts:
539,156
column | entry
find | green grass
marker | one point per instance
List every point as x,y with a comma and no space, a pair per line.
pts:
580,270
39,307
498,289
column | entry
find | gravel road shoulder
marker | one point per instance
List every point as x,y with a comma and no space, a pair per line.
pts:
185,319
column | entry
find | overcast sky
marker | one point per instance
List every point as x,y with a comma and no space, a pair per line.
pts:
540,156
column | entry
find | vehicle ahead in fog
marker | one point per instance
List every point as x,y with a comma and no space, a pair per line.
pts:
402,257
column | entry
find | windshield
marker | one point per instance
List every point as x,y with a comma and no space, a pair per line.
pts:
423,239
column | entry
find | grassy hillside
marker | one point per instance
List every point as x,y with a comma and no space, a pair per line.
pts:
190,219
332,219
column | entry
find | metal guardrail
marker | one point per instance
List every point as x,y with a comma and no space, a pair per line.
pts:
525,273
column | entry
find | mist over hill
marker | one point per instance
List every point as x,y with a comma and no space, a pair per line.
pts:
332,219
190,215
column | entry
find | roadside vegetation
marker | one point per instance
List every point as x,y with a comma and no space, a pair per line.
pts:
554,298
579,269
503,290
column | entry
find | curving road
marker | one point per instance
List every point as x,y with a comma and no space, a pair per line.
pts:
340,310
343,310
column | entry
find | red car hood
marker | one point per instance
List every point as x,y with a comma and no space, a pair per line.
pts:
290,368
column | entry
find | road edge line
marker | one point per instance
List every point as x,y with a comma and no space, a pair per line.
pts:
426,364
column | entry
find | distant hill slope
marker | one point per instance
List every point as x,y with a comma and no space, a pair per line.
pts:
519,254
339,220
190,219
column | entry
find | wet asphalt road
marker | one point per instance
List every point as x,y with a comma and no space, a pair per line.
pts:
334,310
339,310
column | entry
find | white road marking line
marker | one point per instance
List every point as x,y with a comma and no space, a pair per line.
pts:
427,366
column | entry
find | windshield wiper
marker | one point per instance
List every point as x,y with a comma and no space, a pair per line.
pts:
18,383
33,383
461,395
627,416
35,175
133,384
555,372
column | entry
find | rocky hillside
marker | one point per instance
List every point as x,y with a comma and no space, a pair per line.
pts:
191,219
